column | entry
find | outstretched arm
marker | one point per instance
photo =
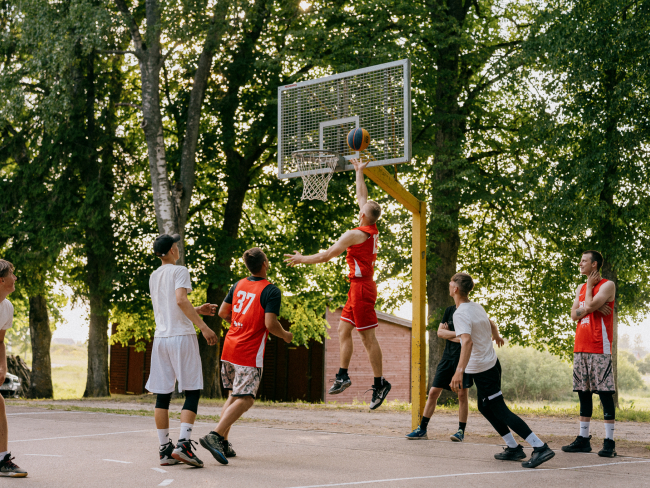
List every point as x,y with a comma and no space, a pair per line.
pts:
350,238
362,189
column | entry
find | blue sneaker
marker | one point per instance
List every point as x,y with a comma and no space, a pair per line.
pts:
458,436
417,434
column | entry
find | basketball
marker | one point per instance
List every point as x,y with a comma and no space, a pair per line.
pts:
358,139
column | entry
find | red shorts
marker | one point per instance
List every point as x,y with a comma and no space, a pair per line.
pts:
360,307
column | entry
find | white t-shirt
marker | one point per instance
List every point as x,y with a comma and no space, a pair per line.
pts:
170,319
471,318
6,314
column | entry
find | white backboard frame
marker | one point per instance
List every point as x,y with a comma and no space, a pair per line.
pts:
285,148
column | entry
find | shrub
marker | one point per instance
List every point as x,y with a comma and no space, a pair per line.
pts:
629,377
529,374
627,355
643,365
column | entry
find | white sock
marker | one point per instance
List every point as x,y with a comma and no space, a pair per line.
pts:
186,431
163,436
3,454
584,429
609,431
534,441
510,440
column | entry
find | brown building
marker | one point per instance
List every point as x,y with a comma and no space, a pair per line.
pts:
294,373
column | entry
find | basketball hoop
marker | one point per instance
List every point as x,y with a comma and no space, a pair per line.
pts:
316,167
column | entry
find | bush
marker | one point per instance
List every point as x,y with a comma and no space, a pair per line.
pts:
529,374
643,365
627,355
629,377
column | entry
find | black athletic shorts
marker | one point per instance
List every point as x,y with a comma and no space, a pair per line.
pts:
488,383
444,373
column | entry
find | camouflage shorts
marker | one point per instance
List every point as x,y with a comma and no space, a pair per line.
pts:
593,372
242,380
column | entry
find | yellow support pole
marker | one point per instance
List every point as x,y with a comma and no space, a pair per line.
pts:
419,323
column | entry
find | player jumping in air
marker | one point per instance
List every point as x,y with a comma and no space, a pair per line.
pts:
359,311
592,353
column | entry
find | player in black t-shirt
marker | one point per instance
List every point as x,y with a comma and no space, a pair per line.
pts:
444,373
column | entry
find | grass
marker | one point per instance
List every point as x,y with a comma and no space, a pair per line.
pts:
69,367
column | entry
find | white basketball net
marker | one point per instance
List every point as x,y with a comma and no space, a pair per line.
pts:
316,168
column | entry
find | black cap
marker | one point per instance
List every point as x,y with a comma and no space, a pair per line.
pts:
164,243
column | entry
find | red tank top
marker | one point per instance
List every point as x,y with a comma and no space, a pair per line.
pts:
595,332
246,338
361,257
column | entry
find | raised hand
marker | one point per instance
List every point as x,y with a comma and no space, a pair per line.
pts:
293,259
359,165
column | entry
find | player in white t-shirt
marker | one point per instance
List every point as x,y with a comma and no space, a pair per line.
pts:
175,352
7,285
478,364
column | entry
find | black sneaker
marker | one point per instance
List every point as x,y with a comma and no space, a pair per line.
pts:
9,469
340,385
581,444
166,458
608,448
213,443
227,449
379,394
540,455
511,454
183,452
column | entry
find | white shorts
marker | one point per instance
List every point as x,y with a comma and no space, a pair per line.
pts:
175,358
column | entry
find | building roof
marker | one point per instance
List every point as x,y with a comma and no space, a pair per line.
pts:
386,317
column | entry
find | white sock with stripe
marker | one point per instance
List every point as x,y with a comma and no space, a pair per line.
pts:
609,431
584,429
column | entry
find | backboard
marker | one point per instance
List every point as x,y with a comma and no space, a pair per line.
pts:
318,114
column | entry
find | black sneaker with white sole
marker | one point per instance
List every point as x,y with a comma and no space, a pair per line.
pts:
228,451
540,455
379,394
183,452
511,454
166,458
340,385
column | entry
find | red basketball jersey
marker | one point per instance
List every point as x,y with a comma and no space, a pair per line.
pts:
595,332
246,338
361,257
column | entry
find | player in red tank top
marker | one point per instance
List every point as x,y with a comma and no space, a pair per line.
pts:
359,311
592,353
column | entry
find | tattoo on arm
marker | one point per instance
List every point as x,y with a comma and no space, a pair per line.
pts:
580,312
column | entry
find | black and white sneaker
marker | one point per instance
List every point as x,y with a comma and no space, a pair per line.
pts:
228,451
183,452
581,444
9,469
511,454
166,458
340,385
609,448
540,455
379,394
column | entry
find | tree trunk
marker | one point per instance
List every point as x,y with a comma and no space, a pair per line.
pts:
211,355
41,337
97,376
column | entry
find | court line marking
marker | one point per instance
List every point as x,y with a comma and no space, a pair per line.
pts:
39,413
84,435
160,470
48,455
117,461
453,475
166,482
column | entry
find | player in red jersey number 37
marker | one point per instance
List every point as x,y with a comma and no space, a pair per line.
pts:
359,311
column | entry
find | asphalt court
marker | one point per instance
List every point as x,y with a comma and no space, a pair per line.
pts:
69,449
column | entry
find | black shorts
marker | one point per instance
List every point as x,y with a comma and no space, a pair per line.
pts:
488,383
444,373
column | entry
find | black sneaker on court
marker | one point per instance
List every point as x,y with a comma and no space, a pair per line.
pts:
9,469
228,451
581,444
608,448
213,443
340,385
540,455
183,452
166,458
511,454
379,395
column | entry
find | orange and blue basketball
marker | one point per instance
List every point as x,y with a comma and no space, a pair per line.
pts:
358,139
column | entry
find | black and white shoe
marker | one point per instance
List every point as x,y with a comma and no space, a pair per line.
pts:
608,449
166,458
511,454
228,451
183,452
540,455
9,469
340,385
581,444
379,394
